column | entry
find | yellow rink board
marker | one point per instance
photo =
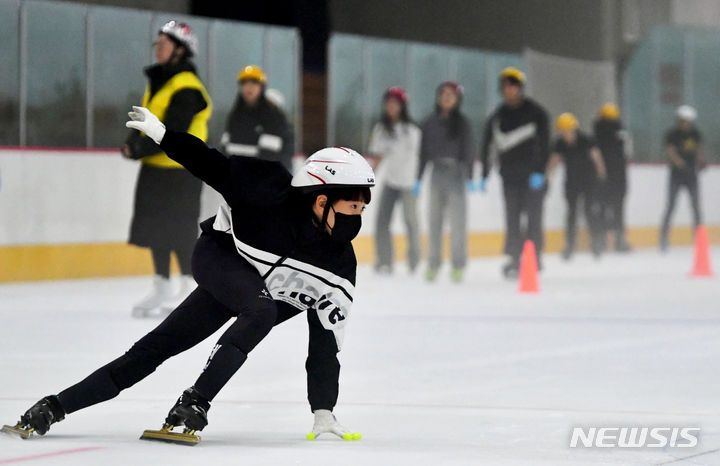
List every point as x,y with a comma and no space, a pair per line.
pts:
94,260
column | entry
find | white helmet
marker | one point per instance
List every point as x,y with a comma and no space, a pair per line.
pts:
687,113
334,167
182,33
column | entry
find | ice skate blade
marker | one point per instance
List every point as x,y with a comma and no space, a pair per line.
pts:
164,435
18,430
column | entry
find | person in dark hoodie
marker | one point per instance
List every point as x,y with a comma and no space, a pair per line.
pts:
614,142
256,127
447,143
167,197
279,246
518,132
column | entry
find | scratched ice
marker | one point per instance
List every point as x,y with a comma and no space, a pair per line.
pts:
432,374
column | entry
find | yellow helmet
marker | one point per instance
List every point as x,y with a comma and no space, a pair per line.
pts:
252,72
512,74
609,111
566,121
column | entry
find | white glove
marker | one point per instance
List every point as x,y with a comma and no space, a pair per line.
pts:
143,120
325,423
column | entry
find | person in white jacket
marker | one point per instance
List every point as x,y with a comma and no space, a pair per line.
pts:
395,144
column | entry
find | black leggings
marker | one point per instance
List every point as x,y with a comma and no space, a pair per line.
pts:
592,207
161,260
228,287
677,181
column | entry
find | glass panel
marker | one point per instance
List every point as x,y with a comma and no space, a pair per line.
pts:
282,69
637,100
345,87
9,74
471,74
429,66
55,74
234,45
668,57
703,72
386,68
121,49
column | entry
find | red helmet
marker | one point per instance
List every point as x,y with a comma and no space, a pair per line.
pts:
398,93
454,85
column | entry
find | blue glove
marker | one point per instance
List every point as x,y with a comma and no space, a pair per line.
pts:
536,181
481,185
416,188
471,186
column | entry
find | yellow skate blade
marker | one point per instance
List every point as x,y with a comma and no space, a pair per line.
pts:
165,435
19,430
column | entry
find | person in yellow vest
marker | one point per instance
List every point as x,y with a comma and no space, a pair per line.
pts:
167,197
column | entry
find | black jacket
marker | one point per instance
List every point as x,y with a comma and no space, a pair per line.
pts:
610,139
260,131
267,223
521,138
184,105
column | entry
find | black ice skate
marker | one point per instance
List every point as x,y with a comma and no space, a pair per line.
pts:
38,418
190,411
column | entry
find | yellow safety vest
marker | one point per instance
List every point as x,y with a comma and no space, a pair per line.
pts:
159,103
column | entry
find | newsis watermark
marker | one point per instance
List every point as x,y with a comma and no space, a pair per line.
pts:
634,437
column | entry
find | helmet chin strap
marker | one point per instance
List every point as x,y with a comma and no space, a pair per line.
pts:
326,212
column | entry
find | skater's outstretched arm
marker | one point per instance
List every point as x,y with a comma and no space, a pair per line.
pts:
323,372
237,179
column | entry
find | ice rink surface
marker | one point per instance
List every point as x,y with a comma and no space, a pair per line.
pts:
433,374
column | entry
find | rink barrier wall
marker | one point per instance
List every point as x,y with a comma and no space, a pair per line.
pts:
96,260
66,214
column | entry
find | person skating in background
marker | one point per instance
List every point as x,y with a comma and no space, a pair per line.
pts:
683,145
395,144
278,247
614,144
447,145
167,197
518,132
584,171
257,127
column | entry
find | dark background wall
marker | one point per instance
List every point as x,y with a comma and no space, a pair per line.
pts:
566,27
587,29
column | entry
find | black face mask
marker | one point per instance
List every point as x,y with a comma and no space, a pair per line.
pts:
346,227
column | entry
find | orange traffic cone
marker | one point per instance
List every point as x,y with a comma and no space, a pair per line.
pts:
702,267
528,269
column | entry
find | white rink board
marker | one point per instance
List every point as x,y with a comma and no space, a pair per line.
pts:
55,197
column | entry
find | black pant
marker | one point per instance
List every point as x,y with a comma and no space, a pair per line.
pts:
592,210
519,200
161,260
677,181
228,287
612,200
